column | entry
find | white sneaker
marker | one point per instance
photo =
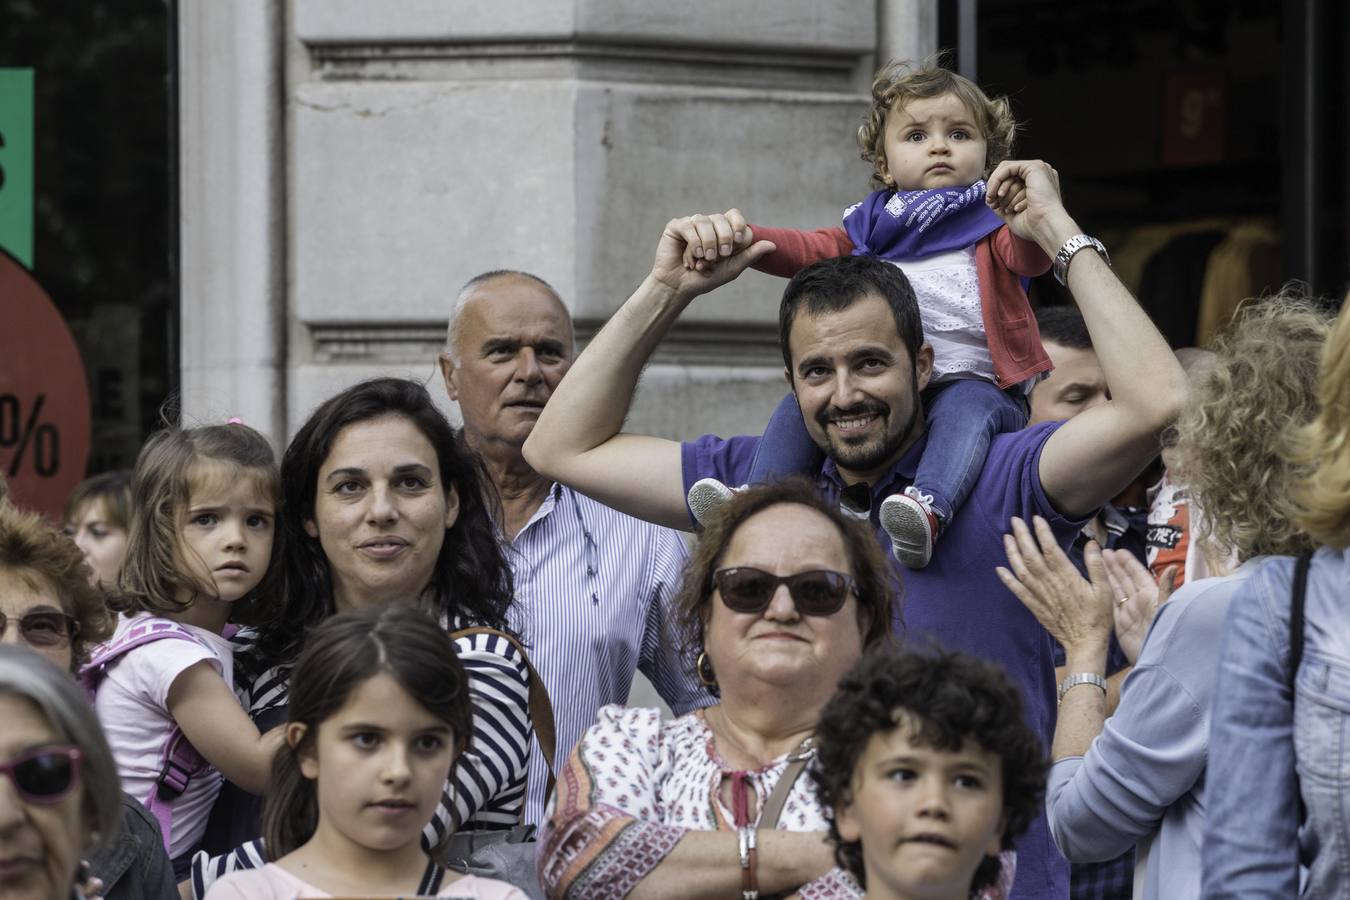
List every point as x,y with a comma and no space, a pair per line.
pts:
910,521
706,498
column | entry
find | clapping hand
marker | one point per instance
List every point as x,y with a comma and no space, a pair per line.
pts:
1138,597
1075,610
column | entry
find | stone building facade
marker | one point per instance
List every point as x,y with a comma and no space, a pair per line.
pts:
346,165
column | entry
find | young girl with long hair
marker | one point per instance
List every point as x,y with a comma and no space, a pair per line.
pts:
200,555
379,711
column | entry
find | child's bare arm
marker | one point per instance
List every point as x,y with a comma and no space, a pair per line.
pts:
212,719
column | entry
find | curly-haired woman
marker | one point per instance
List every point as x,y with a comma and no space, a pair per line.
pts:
1141,775
1280,726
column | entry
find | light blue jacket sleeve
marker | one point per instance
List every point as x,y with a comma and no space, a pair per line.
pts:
1150,753
1251,831
1153,750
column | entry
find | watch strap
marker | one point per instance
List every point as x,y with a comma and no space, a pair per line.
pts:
1069,248
1080,678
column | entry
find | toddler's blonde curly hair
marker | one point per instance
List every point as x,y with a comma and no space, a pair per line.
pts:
897,83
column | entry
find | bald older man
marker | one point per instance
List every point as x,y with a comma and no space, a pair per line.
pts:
593,585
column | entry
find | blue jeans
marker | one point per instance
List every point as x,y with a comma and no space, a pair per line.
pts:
962,417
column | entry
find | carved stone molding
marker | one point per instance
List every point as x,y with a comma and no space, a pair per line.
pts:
413,343
803,69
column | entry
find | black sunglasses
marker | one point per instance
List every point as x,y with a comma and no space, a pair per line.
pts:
44,775
44,628
819,592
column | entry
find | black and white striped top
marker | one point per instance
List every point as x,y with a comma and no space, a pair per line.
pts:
487,788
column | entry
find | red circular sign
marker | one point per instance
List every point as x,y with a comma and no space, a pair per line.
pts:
44,396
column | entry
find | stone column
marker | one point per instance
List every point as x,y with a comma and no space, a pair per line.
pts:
232,178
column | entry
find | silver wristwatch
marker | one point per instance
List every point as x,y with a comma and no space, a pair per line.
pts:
1072,246
1075,680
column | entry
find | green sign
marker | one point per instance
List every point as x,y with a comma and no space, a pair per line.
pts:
16,163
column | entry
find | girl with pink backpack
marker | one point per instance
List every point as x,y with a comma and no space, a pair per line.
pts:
199,557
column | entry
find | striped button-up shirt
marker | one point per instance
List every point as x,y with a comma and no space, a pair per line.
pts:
593,605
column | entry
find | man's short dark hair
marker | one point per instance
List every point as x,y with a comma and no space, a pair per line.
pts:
1063,325
951,697
832,285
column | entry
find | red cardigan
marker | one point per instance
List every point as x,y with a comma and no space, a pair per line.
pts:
1000,259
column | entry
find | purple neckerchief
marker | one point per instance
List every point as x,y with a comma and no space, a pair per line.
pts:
896,225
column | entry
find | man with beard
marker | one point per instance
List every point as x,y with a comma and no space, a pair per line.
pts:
854,355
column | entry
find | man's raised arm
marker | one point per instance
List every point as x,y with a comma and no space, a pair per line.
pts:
577,439
1096,454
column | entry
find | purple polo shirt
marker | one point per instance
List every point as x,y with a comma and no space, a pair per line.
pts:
957,599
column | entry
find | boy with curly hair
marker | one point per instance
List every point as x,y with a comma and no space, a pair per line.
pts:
930,773
933,138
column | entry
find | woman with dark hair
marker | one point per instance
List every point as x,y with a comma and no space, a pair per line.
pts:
456,568
383,507
781,596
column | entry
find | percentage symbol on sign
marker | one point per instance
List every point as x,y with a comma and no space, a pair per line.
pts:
45,438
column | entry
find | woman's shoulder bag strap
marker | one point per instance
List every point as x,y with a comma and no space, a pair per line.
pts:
1297,602
541,710
773,807
1296,605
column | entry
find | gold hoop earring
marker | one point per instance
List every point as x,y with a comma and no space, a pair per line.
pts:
706,676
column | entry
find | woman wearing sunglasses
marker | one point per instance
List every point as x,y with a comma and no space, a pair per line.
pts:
781,597
49,606
59,792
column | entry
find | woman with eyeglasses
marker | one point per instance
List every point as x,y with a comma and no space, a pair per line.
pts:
59,794
780,598
48,605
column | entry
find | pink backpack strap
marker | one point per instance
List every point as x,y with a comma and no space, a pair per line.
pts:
180,763
144,632
179,760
